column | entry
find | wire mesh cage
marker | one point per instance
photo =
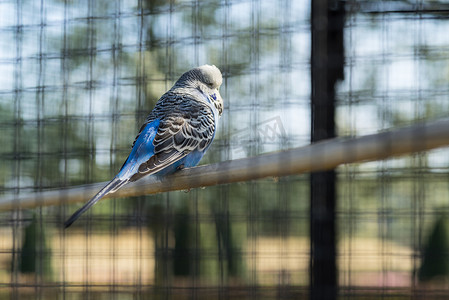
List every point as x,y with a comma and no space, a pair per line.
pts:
79,78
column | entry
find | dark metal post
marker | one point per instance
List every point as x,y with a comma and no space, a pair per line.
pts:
327,60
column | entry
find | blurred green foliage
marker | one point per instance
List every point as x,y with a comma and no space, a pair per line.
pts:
35,255
435,262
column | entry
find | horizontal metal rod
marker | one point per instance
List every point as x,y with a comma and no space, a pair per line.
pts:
315,157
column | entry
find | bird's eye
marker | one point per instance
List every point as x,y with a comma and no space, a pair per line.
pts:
214,96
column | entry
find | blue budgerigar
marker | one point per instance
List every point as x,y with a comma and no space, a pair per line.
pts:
176,133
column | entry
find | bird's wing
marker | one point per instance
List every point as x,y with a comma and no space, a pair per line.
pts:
142,150
176,137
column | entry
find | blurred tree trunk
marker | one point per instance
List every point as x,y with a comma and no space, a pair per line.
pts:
327,59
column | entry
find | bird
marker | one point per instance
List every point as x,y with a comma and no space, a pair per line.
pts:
176,133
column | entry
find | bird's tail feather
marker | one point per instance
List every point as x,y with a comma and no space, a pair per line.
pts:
112,186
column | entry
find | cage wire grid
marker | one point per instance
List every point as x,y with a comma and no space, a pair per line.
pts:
78,79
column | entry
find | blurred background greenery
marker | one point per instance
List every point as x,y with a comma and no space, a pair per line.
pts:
79,77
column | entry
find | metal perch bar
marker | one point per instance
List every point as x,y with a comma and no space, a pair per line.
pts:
315,157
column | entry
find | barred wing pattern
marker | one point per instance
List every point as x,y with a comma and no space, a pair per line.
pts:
185,126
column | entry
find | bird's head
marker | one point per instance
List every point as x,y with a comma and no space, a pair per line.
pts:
208,80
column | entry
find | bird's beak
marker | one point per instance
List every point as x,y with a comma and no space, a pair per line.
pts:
220,101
